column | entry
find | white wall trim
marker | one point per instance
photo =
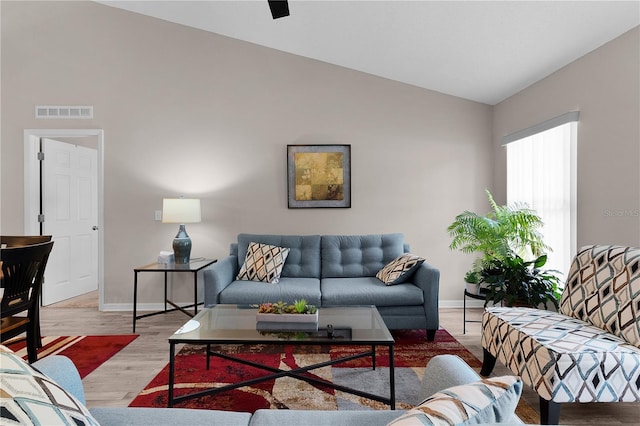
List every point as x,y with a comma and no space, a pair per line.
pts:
156,307
541,127
31,196
119,307
458,303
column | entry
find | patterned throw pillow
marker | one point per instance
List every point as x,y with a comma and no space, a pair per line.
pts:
399,269
31,398
263,263
491,400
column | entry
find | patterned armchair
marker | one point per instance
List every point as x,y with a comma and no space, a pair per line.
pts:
587,352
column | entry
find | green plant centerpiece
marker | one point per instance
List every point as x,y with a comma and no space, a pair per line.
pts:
280,307
504,238
276,315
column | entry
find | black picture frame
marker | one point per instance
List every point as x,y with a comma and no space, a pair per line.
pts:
319,176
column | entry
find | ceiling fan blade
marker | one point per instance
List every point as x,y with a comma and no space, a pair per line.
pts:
279,8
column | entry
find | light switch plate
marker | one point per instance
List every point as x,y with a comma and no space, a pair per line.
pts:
158,214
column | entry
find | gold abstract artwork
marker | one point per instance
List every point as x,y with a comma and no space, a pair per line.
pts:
319,176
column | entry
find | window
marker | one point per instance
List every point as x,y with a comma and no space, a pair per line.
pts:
541,171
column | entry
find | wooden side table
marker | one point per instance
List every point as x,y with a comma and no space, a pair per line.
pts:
195,266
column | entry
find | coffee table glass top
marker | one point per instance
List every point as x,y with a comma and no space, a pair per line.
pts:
237,323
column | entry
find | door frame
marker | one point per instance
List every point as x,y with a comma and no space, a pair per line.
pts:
32,186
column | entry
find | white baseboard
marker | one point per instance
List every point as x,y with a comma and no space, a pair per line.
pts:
471,303
123,307
142,307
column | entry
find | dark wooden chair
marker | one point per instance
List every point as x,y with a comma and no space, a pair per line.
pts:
21,279
25,240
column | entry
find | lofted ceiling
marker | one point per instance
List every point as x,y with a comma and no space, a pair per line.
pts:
484,51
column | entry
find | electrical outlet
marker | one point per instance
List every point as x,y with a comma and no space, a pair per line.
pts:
158,214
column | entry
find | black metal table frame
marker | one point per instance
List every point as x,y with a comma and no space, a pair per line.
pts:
296,373
176,307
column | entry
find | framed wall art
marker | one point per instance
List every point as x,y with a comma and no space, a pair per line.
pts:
319,176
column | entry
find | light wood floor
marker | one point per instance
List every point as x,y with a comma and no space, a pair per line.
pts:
121,378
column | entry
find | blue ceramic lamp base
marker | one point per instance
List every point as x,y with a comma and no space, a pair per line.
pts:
182,246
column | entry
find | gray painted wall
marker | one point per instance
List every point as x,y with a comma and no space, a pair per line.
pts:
193,113
604,86
187,112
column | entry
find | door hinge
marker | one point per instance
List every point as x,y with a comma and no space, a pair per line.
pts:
40,218
40,156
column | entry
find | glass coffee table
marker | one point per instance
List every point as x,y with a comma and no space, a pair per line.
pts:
337,326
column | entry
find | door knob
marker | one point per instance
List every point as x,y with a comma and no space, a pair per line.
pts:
95,228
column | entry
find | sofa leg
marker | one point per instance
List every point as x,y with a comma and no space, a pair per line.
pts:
488,362
549,412
431,335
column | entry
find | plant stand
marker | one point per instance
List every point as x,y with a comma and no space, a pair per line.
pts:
479,296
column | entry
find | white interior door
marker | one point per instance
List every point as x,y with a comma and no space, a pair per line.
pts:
70,208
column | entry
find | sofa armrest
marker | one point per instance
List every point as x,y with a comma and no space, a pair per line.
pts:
217,277
445,371
427,277
61,370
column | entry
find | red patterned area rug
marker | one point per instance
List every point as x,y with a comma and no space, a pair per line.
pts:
412,352
86,352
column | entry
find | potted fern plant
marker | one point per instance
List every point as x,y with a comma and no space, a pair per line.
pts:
503,238
516,282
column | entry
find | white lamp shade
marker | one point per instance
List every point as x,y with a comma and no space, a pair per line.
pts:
181,210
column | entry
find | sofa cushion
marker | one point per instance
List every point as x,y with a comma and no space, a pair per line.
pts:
303,260
29,397
348,256
263,262
603,289
266,417
399,269
118,416
368,291
288,290
491,400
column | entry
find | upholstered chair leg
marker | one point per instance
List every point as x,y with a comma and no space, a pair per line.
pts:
549,412
431,335
488,362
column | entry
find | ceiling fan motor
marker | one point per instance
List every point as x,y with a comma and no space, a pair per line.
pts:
279,8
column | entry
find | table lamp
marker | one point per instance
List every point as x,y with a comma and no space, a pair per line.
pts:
181,211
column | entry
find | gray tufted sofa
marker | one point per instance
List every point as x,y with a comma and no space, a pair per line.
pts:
332,270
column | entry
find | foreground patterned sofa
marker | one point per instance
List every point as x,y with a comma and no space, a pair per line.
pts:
51,392
590,350
332,270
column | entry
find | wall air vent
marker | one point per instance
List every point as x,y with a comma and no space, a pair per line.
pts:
67,111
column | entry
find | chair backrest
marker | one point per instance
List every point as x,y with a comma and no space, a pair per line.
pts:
23,240
22,271
603,289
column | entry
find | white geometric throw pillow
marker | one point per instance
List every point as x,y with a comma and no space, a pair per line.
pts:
399,269
491,400
263,263
29,397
